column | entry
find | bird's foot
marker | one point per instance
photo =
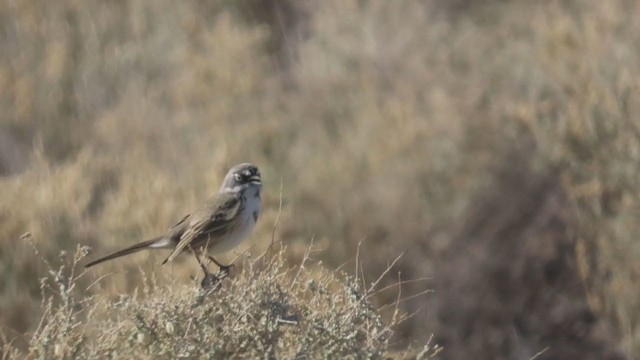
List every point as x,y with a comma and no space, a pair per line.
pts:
225,270
210,282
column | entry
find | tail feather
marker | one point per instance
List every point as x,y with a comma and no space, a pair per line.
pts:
155,243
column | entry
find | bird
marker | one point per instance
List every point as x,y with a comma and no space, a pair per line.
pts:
219,225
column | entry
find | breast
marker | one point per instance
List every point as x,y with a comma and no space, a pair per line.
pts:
249,217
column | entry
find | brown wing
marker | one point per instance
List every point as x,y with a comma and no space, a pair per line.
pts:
180,222
176,231
209,223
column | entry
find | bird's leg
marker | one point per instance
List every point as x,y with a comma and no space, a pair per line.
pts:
210,280
202,265
224,269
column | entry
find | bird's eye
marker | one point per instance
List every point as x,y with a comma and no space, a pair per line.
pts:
238,177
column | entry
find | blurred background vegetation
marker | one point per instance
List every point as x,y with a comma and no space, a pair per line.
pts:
496,142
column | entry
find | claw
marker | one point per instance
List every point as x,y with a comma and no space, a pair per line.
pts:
225,270
210,282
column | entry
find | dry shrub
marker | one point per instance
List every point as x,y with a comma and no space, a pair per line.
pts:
268,309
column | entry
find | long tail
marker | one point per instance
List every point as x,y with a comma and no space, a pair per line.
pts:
155,243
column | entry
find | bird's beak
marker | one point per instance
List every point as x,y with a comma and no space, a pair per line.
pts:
255,180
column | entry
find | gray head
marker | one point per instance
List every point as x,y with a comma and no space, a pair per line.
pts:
241,177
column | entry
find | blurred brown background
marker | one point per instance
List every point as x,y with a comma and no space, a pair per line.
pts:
496,142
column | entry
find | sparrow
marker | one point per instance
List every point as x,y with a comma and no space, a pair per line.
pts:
219,225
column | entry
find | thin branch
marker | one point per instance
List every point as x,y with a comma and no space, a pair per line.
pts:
304,260
98,279
343,265
406,298
385,272
358,260
539,353
364,297
275,223
397,309
403,282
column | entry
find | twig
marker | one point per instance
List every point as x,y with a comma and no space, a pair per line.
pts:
275,223
304,259
424,292
343,265
397,309
358,260
98,280
375,283
385,272
539,353
403,282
